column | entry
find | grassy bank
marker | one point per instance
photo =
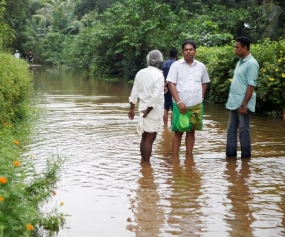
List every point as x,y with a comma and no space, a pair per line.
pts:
23,190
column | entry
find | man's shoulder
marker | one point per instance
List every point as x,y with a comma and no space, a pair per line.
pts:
178,62
168,62
253,60
199,62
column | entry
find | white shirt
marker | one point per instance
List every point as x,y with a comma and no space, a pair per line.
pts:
149,89
17,55
188,80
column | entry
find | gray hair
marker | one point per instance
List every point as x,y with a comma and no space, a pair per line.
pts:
154,58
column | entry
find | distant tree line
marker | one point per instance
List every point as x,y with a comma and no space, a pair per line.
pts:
111,38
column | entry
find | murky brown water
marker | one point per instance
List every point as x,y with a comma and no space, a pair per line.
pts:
108,193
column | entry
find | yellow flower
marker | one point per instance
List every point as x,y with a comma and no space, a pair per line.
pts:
283,75
5,124
16,142
1,199
29,227
271,79
230,80
268,85
3,180
16,163
61,203
276,70
279,60
53,193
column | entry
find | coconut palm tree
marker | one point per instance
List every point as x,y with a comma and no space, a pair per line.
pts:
57,16
275,12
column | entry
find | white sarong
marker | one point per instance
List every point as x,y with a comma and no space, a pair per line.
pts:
151,123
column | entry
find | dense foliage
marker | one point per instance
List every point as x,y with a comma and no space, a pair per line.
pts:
15,88
111,38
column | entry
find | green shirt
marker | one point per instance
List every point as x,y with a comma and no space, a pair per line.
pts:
245,74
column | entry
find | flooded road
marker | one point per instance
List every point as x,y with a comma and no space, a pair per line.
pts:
107,191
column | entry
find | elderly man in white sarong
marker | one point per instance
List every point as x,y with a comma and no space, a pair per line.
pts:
149,89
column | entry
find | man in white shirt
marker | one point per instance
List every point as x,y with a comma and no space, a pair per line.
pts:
149,89
188,80
17,54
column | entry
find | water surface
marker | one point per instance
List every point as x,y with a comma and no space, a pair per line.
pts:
108,192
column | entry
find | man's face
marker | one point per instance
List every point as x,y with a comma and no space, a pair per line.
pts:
188,52
239,49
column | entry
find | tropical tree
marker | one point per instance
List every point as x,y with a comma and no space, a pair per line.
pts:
57,16
14,19
2,24
275,12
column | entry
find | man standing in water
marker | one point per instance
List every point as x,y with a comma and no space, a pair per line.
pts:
167,95
187,80
149,89
242,99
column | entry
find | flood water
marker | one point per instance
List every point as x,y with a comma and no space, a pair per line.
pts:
107,192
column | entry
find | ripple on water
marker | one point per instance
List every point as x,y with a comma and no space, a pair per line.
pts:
108,192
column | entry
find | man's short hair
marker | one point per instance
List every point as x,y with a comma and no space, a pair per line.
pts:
154,58
189,42
244,41
173,52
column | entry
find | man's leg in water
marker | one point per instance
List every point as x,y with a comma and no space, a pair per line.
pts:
190,141
146,145
176,142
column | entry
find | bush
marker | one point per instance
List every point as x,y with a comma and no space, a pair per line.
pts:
15,88
271,80
52,46
220,63
23,190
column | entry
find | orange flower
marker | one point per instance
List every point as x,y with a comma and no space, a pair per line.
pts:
5,124
29,227
3,180
53,193
16,142
61,203
1,199
16,163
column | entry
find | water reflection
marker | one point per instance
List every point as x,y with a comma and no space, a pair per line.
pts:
240,215
163,143
148,215
184,217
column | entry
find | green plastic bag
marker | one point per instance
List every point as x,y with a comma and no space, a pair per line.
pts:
180,122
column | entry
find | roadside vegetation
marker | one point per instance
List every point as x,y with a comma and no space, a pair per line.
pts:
23,189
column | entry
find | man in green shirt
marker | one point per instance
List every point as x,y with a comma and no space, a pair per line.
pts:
242,99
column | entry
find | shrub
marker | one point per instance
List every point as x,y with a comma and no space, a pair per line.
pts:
23,190
15,88
52,46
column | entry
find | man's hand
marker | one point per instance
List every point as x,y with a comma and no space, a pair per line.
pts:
165,87
243,110
146,112
131,114
182,108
